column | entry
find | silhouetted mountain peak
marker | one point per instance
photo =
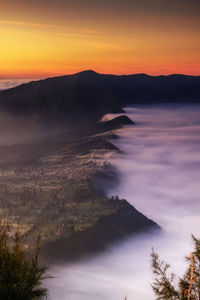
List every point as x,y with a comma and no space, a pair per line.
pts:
94,94
87,74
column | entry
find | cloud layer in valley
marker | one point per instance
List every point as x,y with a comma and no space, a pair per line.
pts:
159,168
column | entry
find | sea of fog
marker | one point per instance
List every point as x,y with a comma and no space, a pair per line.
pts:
10,83
160,171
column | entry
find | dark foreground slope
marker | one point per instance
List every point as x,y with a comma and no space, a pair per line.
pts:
88,93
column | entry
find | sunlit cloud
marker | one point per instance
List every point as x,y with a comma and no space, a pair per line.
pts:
20,23
50,26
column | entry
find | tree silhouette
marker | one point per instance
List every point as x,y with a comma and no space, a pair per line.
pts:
20,274
188,287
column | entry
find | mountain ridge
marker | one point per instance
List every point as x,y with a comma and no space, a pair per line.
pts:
93,94
105,74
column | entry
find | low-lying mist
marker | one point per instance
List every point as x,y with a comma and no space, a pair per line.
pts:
23,139
160,170
10,83
19,129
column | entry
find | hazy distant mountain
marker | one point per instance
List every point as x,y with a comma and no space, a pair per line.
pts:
94,94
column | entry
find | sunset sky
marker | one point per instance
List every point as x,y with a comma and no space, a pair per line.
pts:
42,38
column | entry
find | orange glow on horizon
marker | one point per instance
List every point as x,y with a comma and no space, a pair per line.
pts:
24,74
34,47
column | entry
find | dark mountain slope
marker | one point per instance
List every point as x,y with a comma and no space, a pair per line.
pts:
125,221
85,92
66,97
142,88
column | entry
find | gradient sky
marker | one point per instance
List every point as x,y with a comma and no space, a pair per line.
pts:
42,38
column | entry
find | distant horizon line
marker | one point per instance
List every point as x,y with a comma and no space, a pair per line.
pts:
45,76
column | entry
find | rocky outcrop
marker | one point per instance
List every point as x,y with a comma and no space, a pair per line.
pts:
115,123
